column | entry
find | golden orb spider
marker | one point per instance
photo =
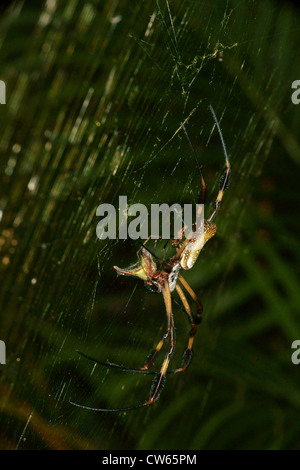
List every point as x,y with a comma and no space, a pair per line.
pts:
165,280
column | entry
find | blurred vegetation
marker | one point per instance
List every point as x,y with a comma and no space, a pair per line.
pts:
95,94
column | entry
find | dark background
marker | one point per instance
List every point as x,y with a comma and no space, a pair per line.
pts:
96,92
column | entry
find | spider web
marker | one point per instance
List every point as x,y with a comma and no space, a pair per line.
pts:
95,96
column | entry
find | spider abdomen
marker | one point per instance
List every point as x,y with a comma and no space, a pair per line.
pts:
195,245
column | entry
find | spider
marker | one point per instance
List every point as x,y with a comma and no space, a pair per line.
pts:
164,277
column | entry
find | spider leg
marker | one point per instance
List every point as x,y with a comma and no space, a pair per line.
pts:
188,352
194,297
145,369
153,354
90,408
224,180
151,358
140,370
158,381
202,192
116,366
143,245
113,365
201,197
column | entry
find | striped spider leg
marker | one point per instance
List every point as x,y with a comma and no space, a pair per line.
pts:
164,277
